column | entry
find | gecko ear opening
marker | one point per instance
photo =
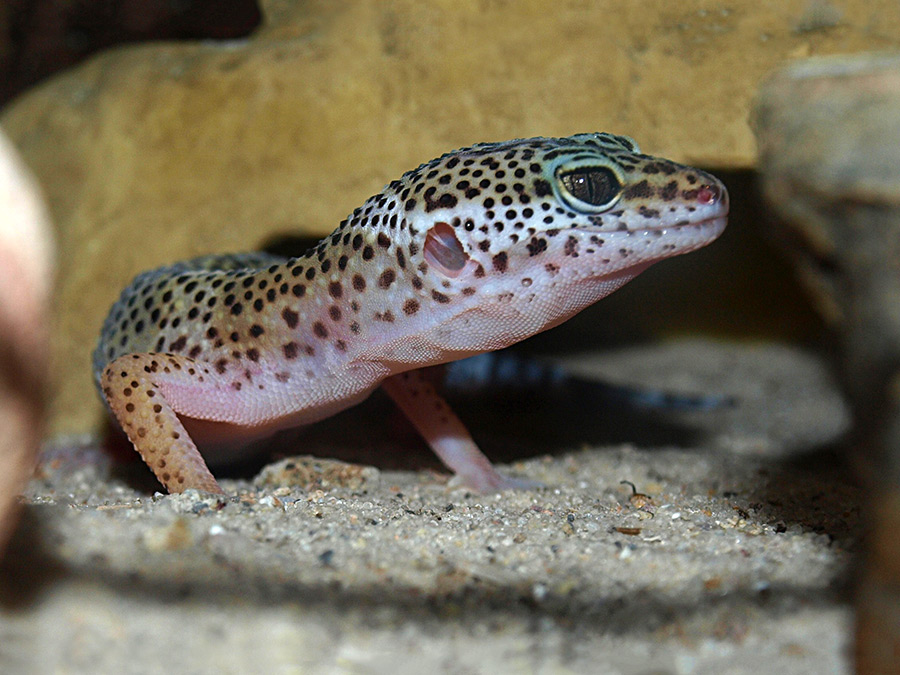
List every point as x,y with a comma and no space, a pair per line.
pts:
444,251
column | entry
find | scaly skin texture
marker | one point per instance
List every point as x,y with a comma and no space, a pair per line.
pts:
471,252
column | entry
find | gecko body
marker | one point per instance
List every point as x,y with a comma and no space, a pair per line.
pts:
471,252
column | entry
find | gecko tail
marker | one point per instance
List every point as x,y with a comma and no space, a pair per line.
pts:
506,371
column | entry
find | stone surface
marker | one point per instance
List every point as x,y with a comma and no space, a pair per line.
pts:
829,134
733,562
153,153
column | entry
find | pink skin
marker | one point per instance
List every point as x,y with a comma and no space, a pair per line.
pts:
472,252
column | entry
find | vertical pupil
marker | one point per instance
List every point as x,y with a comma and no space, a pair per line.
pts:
596,186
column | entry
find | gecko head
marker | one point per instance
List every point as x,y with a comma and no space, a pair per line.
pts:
589,205
518,236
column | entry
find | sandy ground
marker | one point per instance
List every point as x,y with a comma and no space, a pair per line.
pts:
735,559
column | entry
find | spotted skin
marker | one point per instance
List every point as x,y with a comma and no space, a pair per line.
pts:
471,252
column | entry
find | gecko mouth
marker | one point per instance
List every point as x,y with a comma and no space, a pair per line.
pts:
686,237
715,225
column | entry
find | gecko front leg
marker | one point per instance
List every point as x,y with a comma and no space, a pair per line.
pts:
445,433
132,386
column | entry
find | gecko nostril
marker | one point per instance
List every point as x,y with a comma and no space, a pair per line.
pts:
712,193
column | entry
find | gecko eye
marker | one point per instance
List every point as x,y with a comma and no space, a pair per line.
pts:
589,188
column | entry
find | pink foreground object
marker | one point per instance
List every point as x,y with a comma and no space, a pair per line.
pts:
25,279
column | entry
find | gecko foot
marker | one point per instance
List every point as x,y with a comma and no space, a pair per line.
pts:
493,481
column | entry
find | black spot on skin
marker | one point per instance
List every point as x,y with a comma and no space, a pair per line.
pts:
256,330
299,290
439,297
571,247
500,261
319,330
253,354
368,253
387,278
410,307
195,351
340,345
542,188
282,377
468,290
335,290
258,304
401,259
669,191
334,312
291,318
357,242
291,350
445,201
354,327
536,246
383,240
221,366
179,344
359,283
640,190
